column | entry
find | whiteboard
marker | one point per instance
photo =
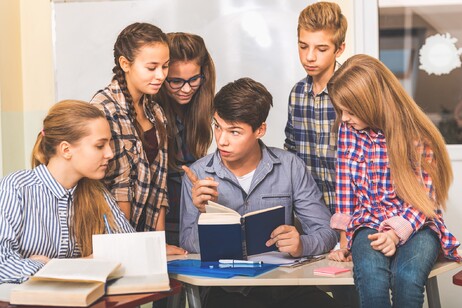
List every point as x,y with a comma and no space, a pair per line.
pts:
246,38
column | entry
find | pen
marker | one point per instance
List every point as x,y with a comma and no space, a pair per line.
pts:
230,261
108,229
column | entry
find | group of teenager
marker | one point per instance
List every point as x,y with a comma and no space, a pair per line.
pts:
362,166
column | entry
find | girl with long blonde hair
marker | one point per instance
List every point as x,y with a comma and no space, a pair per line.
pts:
393,177
53,210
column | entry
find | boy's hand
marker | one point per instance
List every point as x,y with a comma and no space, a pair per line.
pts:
287,239
341,255
201,190
385,242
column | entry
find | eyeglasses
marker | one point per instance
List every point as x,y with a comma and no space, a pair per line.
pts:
178,83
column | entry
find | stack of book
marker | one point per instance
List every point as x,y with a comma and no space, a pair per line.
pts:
121,264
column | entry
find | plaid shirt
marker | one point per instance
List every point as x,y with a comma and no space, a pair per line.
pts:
130,177
309,135
366,196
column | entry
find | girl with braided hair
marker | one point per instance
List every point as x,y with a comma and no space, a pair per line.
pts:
137,175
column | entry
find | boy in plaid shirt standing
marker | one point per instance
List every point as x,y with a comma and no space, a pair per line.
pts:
311,116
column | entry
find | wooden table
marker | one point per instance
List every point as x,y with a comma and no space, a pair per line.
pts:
127,300
457,278
299,276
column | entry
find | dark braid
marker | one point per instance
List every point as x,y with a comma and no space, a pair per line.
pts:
128,43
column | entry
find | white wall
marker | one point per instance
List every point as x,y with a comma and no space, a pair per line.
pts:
246,38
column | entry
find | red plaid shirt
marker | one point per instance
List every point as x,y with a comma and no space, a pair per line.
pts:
366,196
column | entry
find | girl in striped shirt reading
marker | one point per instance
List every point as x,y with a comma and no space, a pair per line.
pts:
393,177
53,210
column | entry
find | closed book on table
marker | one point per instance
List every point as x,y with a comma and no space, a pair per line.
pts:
66,282
225,234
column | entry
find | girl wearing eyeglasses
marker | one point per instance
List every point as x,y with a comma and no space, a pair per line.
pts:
137,174
186,97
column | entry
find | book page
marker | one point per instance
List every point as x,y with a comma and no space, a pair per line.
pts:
283,259
5,289
141,253
213,207
77,270
147,283
56,293
143,256
261,211
219,218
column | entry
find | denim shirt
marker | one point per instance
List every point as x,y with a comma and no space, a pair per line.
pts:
281,178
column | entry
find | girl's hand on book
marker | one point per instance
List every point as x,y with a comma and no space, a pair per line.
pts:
287,239
385,242
341,255
43,259
175,250
201,190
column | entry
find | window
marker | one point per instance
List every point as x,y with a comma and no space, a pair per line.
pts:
421,45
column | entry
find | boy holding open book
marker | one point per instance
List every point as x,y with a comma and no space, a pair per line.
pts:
246,175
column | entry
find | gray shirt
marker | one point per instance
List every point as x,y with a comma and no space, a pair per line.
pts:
281,178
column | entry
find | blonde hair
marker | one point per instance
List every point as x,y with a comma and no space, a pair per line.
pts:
370,91
198,112
324,16
66,121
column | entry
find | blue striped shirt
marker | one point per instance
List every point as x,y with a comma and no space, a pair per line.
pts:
35,214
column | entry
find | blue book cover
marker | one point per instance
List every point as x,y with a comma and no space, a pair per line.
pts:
220,241
258,228
224,234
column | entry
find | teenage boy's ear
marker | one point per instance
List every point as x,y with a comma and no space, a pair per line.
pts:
261,131
340,50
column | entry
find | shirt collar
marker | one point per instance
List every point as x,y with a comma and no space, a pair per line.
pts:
375,136
116,91
309,81
51,183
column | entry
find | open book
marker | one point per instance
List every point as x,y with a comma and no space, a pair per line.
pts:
66,282
224,234
143,258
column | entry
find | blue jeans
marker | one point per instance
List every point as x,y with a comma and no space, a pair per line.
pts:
405,273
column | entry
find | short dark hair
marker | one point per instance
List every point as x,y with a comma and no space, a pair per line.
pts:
243,100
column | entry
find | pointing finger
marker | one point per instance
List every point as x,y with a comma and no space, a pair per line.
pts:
191,175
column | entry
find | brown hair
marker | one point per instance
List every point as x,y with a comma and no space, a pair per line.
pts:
66,121
128,44
198,112
370,91
324,16
244,100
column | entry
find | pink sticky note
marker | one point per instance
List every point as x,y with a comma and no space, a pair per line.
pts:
330,271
